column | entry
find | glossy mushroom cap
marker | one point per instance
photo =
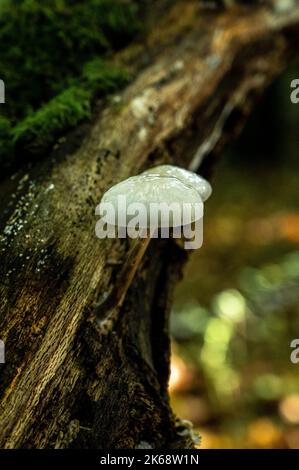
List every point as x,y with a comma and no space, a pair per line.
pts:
144,190
189,178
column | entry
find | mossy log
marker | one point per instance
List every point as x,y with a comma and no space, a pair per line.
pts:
68,382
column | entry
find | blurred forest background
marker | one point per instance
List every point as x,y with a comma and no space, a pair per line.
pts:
237,308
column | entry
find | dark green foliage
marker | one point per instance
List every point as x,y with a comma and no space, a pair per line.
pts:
52,61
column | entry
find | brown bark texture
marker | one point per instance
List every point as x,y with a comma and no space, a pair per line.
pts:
68,381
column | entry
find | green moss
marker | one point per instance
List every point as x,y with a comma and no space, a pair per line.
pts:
5,139
102,77
53,59
62,112
40,129
45,43
4,128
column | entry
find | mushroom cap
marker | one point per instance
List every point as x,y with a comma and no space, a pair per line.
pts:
183,202
187,177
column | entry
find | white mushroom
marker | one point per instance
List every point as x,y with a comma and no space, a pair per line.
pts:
165,197
185,176
145,192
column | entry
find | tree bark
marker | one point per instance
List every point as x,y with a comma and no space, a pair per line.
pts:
67,381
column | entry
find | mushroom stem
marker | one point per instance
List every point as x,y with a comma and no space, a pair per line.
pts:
125,276
128,271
